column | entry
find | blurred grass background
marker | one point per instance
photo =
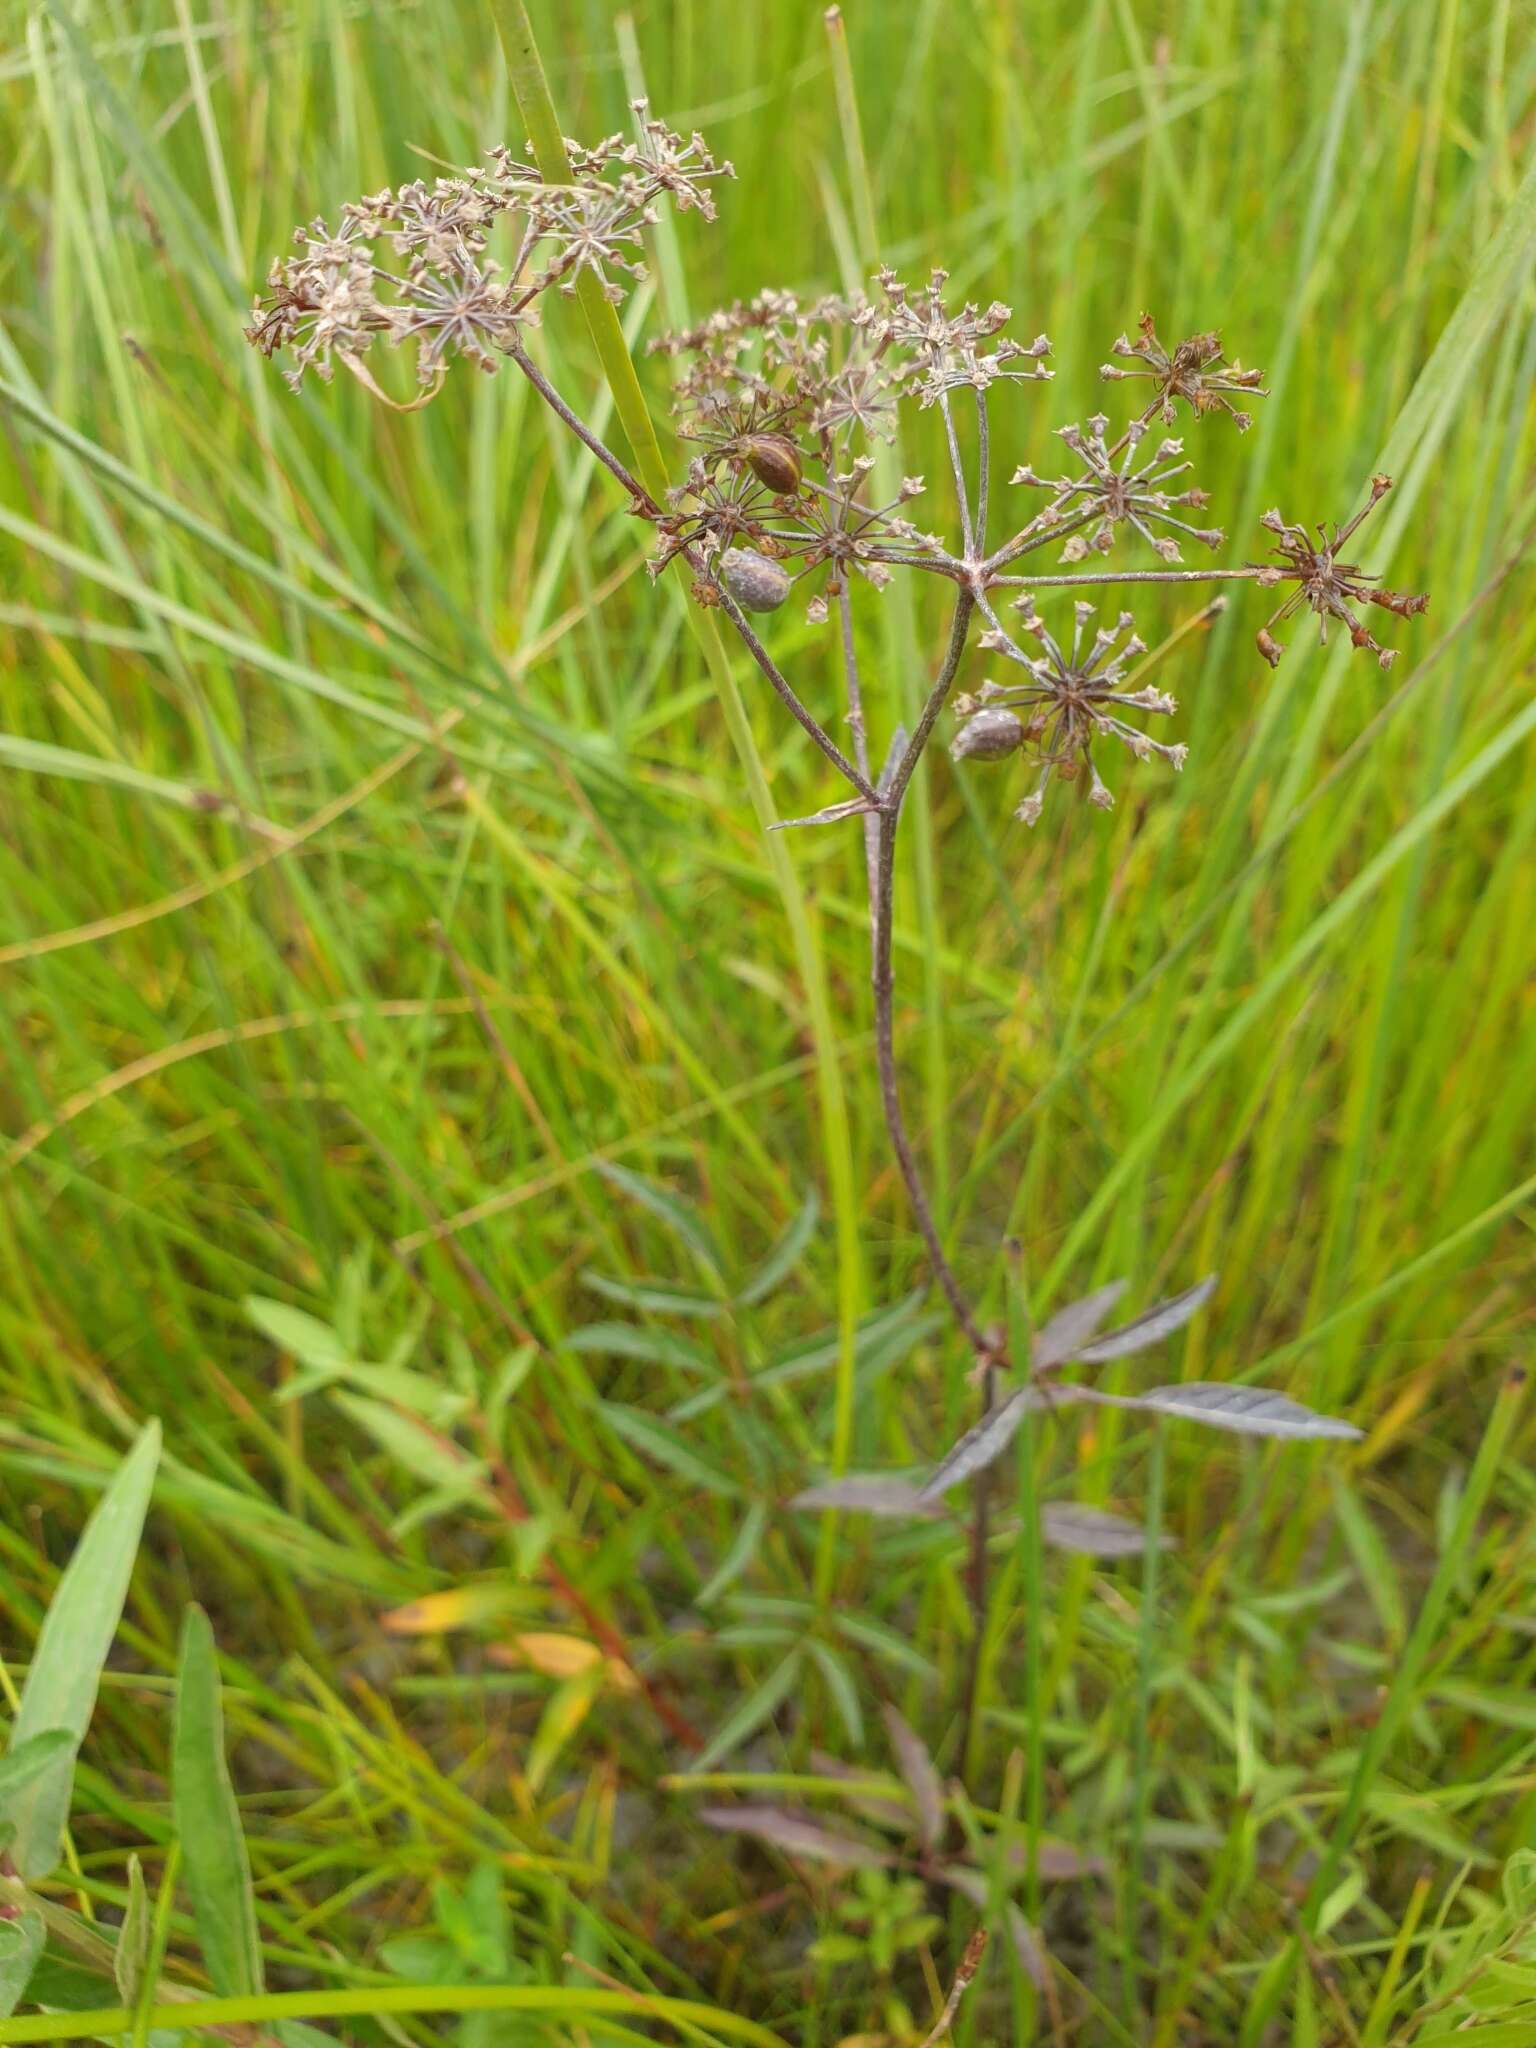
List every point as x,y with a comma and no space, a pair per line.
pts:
375,871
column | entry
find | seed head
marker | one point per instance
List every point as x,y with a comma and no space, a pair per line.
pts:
1194,371
1328,586
1107,495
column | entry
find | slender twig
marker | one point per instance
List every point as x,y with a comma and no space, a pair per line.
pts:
1101,576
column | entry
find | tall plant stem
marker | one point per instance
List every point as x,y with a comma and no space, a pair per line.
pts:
536,104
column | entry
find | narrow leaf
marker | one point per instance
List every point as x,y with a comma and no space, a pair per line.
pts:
208,1821
422,1452
741,1553
834,814
71,1648
1072,1326
294,1330
656,1441
1151,1327
21,1943
795,1835
1093,1532
921,1774
132,1953
786,1254
981,1446
870,1493
567,1707
1247,1411
1027,1945
760,1705
894,754
678,1216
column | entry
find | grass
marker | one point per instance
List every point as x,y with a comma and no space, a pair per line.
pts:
468,1024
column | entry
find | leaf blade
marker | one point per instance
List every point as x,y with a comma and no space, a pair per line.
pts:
208,1820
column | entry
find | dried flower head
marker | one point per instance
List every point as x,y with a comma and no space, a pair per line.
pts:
1330,587
1071,698
939,351
340,290
1194,371
1108,495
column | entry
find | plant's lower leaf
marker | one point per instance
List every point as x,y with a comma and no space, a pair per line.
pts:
760,1705
796,1835
1094,1532
208,1821
869,1493
1247,1411
921,1774
1071,1327
1150,1327
983,1445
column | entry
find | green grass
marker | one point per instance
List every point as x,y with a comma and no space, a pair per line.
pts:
486,927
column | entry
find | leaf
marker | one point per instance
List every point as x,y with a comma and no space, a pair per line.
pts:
796,1835
894,754
1247,1411
921,1774
786,1254
565,1710
132,1952
71,1648
1058,1340
760,1705
1150,1327
870,1493
310,1341
678,1216
208,1820
743,1549
845,1694
27,1761
466,1606
981,1446
420,1451
1027,1945
893,1813
650,1347
653,1297
1094,1532
659,1442
21,1943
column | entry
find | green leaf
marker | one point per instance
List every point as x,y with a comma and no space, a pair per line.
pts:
655,1440
786,1254
208,1820
71,1649
21,1943
677,1215
28,1760
421,1452
744,1548
759,1705
133,1937
311,1342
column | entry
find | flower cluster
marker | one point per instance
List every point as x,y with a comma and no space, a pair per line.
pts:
1066,699
411,266
1326,585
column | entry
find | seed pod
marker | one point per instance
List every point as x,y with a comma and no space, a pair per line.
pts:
988,735
756,583
775,461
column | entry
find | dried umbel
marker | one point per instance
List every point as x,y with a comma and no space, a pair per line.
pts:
1192,370
412,266
1329,587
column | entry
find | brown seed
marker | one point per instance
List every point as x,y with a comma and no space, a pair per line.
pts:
756,583
775,461
1269,646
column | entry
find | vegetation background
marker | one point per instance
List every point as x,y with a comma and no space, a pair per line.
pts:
406,1069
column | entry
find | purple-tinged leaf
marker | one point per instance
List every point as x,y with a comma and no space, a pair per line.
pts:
983,1445
1151,1327
921,1774
893,1814
1092,1532
1027,1944
870,1493
1057,1862
1247,1411
1072,1327
796,1835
